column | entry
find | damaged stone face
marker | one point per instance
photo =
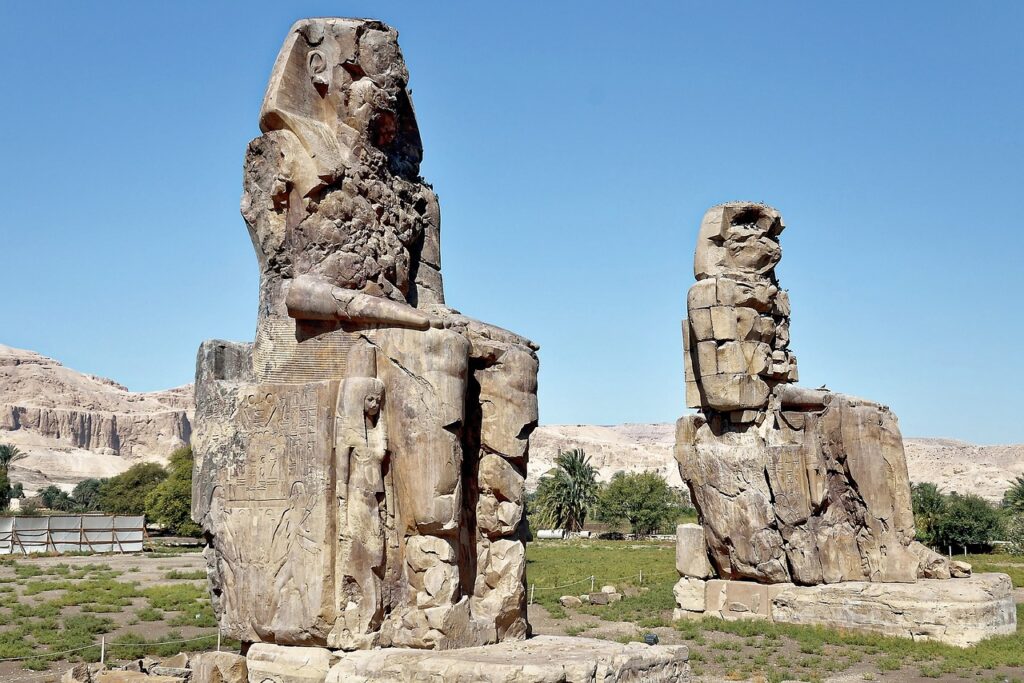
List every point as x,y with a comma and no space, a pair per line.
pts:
360,466
793,485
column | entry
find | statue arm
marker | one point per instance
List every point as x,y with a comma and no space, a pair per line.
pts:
310,298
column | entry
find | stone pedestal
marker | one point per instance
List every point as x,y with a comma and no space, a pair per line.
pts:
954,611
538,660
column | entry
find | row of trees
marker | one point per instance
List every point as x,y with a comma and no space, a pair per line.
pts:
968,521
8,491
162,494
570,493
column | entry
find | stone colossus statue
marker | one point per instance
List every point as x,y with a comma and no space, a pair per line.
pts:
792,485
360,467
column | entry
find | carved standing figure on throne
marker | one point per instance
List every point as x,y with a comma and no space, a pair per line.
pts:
295,548
360,453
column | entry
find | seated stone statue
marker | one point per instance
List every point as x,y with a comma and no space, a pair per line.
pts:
792,485
359,467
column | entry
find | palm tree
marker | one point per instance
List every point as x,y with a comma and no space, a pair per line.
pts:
929,508
1013,499
9,454
566,494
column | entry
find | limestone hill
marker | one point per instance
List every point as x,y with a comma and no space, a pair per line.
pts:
74,425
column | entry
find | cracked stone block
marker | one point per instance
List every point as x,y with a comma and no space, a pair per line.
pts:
691,552
690,594
282,664
219,667
958,612
537,660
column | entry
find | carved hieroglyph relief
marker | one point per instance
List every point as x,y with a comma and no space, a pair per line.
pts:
359,468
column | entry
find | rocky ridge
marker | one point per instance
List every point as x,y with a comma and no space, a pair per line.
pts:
75,425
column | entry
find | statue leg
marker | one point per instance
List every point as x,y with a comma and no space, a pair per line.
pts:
425,375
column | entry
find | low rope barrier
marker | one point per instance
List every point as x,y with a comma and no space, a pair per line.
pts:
103,645
593,581
641,576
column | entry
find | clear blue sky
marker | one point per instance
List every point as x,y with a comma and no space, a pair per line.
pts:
575,146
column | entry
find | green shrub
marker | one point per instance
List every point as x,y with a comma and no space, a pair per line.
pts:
126,493
177,575
643,500
969,521
170,502
175,598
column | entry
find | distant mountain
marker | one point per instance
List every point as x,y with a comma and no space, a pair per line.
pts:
952,465
75,426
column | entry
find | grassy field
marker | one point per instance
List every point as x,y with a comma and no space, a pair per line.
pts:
747,650
156,604
55,610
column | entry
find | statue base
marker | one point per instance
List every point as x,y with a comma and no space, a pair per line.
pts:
958,612
544,658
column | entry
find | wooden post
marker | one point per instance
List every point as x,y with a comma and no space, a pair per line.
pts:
113,535
81,531
17,537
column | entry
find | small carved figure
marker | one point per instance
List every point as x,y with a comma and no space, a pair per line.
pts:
360,453
295,547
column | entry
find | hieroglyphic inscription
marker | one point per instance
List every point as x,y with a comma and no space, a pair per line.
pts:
278,355
288,428
788,478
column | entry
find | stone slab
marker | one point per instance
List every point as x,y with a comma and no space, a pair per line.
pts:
691,552
284,664
544,659
219,667
958,612
954,611
690,594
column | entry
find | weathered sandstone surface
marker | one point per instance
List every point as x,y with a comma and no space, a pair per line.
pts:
545,659
803,495
792,485
74,425
960,612
360,466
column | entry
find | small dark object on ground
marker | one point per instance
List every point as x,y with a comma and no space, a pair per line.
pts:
651,638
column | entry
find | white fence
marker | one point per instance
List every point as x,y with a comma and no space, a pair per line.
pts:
72,534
